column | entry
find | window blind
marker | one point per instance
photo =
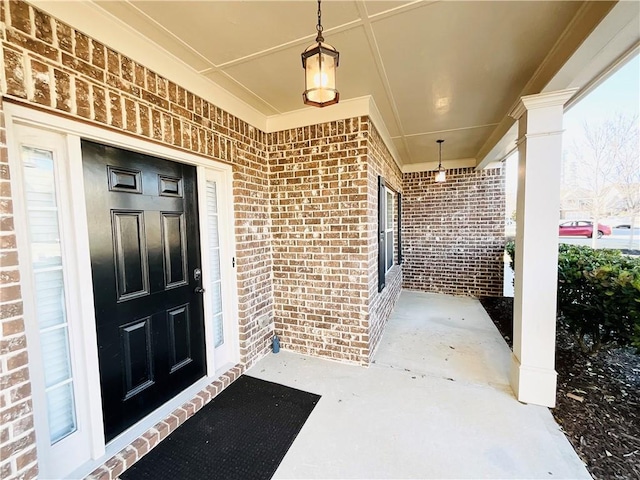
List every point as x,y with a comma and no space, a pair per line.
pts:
48,275
215,287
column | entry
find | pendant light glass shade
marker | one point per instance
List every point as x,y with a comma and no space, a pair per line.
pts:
441,173
320,62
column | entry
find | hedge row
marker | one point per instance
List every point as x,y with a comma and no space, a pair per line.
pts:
598,296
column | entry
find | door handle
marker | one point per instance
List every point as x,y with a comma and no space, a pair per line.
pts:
199,290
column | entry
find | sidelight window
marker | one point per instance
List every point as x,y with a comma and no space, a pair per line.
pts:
214,263
49,289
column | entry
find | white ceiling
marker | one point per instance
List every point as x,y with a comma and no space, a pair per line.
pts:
445,69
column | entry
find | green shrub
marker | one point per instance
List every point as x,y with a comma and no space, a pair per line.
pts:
510,247
598,296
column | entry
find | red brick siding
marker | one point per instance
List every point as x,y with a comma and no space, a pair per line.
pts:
453,233
320,239
381,163
253,250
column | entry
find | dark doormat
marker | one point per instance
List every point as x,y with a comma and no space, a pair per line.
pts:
243,433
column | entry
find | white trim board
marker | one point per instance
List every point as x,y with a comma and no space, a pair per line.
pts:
432,166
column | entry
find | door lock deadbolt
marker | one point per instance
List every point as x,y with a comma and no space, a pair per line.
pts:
197,274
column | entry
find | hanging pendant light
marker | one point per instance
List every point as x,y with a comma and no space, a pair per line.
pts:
320,62
441,175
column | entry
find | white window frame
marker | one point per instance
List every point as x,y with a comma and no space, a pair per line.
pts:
52,459
389,229
78,275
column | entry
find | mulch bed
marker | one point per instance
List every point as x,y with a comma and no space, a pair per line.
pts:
598,403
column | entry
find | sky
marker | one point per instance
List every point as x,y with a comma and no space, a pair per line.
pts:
620,93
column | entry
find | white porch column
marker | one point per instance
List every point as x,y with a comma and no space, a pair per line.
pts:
533,375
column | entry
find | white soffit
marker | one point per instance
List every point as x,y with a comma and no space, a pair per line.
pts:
461,143
454,65
255,26
433,68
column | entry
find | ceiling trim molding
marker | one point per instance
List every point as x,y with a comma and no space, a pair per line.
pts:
354,107
602,76
154,31
302,42
378,122
503,149
435,132
382,73
431,166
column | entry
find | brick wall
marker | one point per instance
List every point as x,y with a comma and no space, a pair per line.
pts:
320,250
453,232
17,434
253,249
49,64
380,163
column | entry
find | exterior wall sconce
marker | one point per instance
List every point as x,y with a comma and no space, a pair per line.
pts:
441,173
320,62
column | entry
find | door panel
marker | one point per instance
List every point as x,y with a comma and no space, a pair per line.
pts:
179,338
132,270
144,246
173,247
138,356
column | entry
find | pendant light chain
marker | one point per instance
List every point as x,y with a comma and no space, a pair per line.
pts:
319,38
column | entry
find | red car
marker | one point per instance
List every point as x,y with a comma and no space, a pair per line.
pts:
581,228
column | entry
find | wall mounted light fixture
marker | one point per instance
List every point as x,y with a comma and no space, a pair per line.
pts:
320,62
441,175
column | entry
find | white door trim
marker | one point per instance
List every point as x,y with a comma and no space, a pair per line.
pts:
17,115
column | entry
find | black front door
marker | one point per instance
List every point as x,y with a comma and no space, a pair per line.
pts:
145,259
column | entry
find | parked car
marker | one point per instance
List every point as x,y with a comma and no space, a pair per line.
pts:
581,228
625,225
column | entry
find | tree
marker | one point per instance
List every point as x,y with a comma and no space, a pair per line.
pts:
627,170
608,170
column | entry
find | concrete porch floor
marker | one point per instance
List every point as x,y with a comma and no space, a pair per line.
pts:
435,404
